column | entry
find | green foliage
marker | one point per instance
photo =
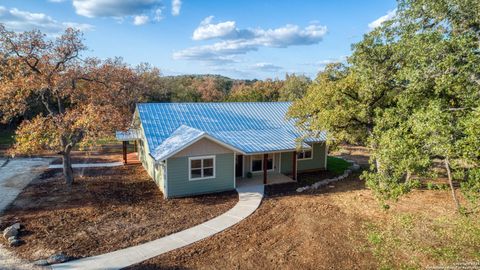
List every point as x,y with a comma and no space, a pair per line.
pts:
335,102
410,91
208,88
294,87
471,186
440,241
6,136
267,90
337,165
387,187
433,186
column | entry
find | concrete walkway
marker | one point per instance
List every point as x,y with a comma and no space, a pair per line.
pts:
250,195
16,174
88,165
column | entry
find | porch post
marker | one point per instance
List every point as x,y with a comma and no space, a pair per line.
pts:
294,166
124,152
265,161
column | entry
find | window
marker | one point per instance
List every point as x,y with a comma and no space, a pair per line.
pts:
305,154
257,163
201,167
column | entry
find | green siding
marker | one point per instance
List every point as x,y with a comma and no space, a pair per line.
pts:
179,185
316,163
148,163
286,160
318,160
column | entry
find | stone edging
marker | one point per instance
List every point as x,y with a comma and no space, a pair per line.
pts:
354,167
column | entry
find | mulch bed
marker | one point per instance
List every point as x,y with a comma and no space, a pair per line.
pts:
105,210
304,179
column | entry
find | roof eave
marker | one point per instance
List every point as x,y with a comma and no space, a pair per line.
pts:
205,135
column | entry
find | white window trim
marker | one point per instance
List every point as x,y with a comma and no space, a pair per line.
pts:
197,158
273,163
303,151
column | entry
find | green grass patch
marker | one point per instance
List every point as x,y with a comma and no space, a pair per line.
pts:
418,237
337,165
7,136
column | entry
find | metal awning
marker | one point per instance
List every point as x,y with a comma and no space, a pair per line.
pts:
129,135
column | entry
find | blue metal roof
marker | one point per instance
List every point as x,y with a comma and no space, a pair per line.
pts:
252,127
180,138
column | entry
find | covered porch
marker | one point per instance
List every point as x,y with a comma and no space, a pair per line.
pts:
131,135
266,168
272,179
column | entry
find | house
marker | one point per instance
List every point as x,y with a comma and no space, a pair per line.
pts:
195,148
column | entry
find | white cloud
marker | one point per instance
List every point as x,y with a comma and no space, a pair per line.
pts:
140,19
232,72
240,41
176,6
158,16
114,8
19,20
267,67
322,63
207,30
390,14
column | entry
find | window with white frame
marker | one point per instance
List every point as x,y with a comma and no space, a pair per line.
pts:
201,167
304,154
257,163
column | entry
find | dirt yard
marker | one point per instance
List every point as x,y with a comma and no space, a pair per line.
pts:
340,226
106,209
105,153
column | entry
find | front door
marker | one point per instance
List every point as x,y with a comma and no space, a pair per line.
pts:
239,166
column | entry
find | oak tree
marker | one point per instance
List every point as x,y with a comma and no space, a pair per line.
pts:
411,93
83,99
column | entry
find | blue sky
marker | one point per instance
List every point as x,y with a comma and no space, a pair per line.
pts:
239,39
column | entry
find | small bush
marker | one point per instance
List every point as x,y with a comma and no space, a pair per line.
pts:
337,165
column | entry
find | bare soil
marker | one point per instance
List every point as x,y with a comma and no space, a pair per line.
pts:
287,232
91,157
105,210
331,229
99,154
359,154
340,226
304,179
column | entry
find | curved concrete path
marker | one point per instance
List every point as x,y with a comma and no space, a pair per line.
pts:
250,195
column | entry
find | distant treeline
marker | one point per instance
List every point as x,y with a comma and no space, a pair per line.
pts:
216,88
149,85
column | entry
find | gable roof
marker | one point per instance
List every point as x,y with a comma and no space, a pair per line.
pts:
180,139
249,127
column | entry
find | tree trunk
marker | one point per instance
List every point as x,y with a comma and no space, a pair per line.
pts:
450,182
67,168
408,176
